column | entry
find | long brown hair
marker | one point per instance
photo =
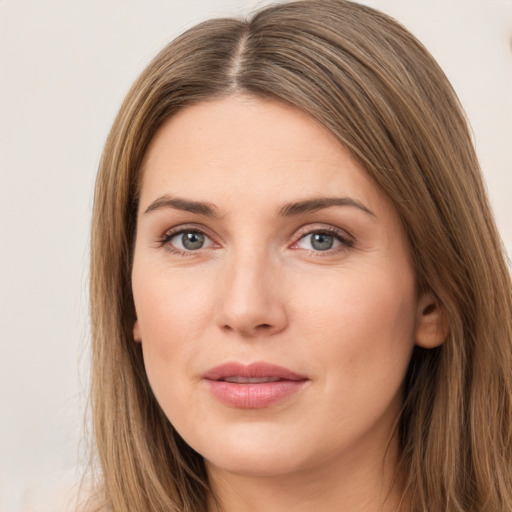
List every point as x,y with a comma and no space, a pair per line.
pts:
376,88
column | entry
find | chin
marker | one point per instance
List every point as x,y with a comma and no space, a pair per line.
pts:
254,452
255,464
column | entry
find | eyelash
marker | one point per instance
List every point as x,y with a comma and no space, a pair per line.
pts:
345,240
169,235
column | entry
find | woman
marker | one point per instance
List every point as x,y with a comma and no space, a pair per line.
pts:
299,298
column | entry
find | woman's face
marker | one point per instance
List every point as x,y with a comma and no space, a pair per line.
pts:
275,296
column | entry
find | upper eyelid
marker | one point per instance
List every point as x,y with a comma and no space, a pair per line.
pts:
328,228
176,230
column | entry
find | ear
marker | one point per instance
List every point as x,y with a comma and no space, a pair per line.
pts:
432,326
136,331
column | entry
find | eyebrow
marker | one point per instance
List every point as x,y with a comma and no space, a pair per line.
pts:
319,203
288,210
165,201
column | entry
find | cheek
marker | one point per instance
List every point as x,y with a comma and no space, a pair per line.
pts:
172,313
170,336
365,323
172,307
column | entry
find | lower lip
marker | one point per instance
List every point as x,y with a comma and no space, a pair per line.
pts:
254,396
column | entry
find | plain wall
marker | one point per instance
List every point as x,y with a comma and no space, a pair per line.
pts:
65,67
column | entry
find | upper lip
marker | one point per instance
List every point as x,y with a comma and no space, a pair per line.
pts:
254,370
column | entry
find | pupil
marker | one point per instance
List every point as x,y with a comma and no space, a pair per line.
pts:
192,240
322,241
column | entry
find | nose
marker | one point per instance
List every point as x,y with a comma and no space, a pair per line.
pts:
252,302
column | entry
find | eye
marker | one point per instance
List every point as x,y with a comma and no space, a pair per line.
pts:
187,240
323,241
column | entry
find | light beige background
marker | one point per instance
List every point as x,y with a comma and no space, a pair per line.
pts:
65,66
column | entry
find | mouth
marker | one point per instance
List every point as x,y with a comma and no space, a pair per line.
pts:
250,380
252,386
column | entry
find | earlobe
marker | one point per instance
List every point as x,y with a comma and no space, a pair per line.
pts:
432,324
136,332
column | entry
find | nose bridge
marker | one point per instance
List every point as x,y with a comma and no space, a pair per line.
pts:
251,303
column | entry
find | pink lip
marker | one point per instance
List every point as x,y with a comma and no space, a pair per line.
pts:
252,395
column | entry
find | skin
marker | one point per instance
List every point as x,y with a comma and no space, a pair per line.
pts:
259,289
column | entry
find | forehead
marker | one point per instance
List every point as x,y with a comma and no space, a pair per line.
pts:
260,148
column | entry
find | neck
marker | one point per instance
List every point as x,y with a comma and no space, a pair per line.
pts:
358,485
